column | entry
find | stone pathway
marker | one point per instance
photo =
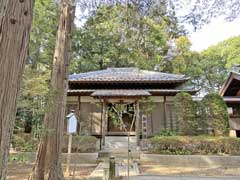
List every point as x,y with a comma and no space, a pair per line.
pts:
122,168
181,178
98,172
102,170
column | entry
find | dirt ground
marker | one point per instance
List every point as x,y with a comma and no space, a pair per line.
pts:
21,171
154,169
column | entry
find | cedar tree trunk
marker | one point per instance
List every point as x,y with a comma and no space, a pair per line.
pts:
48,163
15,26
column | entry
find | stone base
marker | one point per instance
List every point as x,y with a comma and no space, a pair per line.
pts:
193,161
120,142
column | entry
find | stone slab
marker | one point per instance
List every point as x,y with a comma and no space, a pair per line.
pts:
181,178
191,160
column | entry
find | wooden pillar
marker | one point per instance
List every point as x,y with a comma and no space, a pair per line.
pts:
91,118
164,113
104,122
78,114
137,123
171,118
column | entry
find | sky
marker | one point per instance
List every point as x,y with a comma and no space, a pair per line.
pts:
217,31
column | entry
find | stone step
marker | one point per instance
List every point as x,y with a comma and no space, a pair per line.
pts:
119,154
121,138
116,142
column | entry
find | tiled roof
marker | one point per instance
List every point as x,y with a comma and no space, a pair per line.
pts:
96,92
126,75
173,90
120,93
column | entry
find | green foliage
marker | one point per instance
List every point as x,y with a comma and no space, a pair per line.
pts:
213,65
200,118
169,145
81,144
167,132
116,36
185,114
24,143
190,145
19,157
216,62
32,99
43,35
216,113
35,87
208,69
195,118
230,48
186,61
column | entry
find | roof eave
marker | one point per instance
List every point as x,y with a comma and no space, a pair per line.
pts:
132,81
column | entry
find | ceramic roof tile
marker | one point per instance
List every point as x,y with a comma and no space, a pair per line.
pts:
119,92
126,75
95,92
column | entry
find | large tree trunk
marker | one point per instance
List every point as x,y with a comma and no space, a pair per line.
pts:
48,163
15,25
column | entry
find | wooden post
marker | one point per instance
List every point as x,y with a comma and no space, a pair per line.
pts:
79,113
171,118
101,125
69,153
104,122
71,128
164,113
137,123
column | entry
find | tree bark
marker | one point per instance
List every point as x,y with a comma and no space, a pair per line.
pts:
48,163
15,26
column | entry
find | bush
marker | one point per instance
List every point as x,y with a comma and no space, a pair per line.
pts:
186,114
215,113
194,145
167,132
23,158
24,142
81,144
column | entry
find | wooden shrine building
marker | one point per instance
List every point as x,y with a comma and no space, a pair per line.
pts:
230,92
93,94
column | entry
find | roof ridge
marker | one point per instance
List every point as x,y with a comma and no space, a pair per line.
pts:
160,72
127,74
121,68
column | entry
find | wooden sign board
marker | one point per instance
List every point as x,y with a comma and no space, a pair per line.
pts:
230,110
72,123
